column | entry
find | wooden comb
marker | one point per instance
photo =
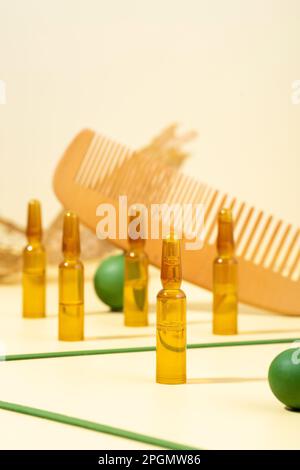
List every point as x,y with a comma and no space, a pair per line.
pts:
95,169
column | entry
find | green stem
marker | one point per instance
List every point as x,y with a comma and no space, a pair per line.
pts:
92,426
94,352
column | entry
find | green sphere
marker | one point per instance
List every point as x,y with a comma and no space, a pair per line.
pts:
109,281
284,378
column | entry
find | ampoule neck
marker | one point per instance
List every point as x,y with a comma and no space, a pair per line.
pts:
34,239
225,251
171,273
71,236
34,222
136,245
171,285
70,256
225,240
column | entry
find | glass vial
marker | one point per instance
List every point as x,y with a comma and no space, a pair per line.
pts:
171,318
225,279
34,265
71,283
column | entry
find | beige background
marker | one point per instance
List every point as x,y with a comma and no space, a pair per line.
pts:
128,68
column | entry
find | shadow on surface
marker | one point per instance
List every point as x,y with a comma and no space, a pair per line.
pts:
259,332
293,410
98,338
225,380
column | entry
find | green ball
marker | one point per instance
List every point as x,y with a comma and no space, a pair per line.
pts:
109,281
284,378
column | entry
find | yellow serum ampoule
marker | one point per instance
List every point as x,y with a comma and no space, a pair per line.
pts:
171,317
34,265
135,281
225,279
71,283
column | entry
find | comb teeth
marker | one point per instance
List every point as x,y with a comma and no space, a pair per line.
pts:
294,270
212,231
102,158
98,170
280,244
113,169
255,224
291,244
211,221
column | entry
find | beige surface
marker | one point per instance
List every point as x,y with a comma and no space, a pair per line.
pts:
226,403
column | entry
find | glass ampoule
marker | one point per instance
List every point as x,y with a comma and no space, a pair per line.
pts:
171,317
225,279
34,265
71,283
135,279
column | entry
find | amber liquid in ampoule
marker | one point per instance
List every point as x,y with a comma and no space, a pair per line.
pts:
71,284
225,279
34,266
136,284
171,319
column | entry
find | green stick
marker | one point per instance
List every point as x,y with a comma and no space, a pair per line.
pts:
92,426
95,352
